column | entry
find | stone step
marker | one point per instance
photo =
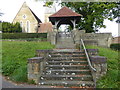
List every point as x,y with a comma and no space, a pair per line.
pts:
65,83
67,51
71,55
67,77
65,47
65,42
67,67
63,76
66,58
67,54
68,72
63,65
71,62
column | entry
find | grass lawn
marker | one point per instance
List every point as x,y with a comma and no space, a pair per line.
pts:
15,55
110,80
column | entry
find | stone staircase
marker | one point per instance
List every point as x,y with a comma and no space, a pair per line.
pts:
67,69
65,41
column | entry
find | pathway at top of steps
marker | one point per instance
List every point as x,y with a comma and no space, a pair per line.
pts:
66,50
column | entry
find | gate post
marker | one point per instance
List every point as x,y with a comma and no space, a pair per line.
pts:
52,37
100,63
35,68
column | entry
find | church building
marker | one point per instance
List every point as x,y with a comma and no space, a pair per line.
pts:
29,22
27,19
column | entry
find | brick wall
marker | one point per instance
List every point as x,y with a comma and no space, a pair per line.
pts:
116,40
45,27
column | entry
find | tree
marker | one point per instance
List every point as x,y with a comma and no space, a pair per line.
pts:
16,27
94,13
11,28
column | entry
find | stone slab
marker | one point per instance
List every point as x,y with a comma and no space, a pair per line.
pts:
98,59
35,60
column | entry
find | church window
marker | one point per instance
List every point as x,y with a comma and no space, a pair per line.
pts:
21,23
24,16
28,26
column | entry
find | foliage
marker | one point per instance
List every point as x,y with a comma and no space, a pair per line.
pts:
115,46
48,4
111,79
31,82
20,74
94,13
9,67
15,55
11,28
23,35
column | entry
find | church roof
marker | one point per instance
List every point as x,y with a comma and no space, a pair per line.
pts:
25,6
39,21
65,12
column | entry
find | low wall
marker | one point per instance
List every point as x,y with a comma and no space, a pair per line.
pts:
99,39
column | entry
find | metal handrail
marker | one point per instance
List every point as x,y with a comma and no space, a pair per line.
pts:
88,59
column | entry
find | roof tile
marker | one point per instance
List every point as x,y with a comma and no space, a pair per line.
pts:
65,12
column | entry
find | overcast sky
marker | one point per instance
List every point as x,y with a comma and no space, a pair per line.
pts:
11,7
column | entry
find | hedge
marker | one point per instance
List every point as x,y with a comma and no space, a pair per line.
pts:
115,46
23,35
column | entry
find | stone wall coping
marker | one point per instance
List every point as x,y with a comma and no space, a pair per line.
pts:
98,59
44,50
35,59
97,56
92,50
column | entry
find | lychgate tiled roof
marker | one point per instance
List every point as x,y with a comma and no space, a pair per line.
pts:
65,12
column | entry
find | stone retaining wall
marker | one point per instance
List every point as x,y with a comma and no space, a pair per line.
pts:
99,39
98,62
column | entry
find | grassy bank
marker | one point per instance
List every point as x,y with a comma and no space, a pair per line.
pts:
15,55
26,39
110,80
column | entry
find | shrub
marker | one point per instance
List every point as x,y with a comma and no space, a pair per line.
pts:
11,28
115,46
23,35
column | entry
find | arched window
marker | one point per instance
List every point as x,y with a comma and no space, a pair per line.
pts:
28,26
21,23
